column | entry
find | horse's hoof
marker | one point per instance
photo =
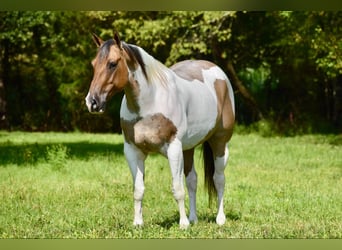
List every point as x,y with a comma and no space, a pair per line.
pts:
220,220
184,224
138,223
193,219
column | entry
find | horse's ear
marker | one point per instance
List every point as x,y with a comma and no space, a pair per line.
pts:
98,41
117,39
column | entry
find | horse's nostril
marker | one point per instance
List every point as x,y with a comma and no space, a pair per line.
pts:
93,104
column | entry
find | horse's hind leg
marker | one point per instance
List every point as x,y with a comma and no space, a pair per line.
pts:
220,154
191,182
219,181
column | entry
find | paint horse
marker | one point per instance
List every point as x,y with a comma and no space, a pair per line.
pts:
169,111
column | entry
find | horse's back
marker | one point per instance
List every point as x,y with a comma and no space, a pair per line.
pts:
192,69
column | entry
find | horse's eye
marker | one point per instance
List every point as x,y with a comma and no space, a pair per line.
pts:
112,65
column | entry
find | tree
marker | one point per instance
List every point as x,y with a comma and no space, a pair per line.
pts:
304,62
284,66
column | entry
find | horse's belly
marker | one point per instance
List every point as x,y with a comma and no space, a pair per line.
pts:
200,123
195,136
201,116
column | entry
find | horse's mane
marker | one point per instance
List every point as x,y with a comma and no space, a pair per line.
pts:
134,53
153,70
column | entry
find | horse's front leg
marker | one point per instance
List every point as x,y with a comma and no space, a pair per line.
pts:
136,159
175,157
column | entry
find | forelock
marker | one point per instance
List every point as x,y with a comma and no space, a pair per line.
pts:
105,48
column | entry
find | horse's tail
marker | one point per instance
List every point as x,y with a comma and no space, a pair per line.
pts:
209,169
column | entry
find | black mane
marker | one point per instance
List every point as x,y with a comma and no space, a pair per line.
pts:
134,53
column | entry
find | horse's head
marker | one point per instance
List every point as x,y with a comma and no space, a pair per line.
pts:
110,73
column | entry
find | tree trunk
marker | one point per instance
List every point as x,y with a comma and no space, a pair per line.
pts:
247,96
2,103
3,79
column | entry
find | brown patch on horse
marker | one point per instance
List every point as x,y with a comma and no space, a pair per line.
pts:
149,133
191,69
226,118
120,75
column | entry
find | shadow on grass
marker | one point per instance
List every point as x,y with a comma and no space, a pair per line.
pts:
173,220
169,222
33,153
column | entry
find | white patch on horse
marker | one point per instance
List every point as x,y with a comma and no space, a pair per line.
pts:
125,113
210,76
214,73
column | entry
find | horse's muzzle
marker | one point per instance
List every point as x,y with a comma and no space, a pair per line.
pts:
94,105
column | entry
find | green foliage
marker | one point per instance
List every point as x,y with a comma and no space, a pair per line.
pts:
289,61
56,156
326,42
277,187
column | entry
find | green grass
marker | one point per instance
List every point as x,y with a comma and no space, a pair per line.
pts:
76,185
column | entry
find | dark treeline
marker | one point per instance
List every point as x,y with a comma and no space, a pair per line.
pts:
285,67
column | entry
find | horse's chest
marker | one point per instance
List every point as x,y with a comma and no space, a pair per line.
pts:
150,133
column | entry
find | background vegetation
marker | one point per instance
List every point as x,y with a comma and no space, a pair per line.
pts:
286,67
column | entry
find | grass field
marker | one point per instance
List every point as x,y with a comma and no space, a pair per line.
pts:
76,185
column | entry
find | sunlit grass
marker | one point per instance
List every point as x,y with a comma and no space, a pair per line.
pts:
76,185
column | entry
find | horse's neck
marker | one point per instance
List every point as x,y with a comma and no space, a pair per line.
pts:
132,94
157,73
143,95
